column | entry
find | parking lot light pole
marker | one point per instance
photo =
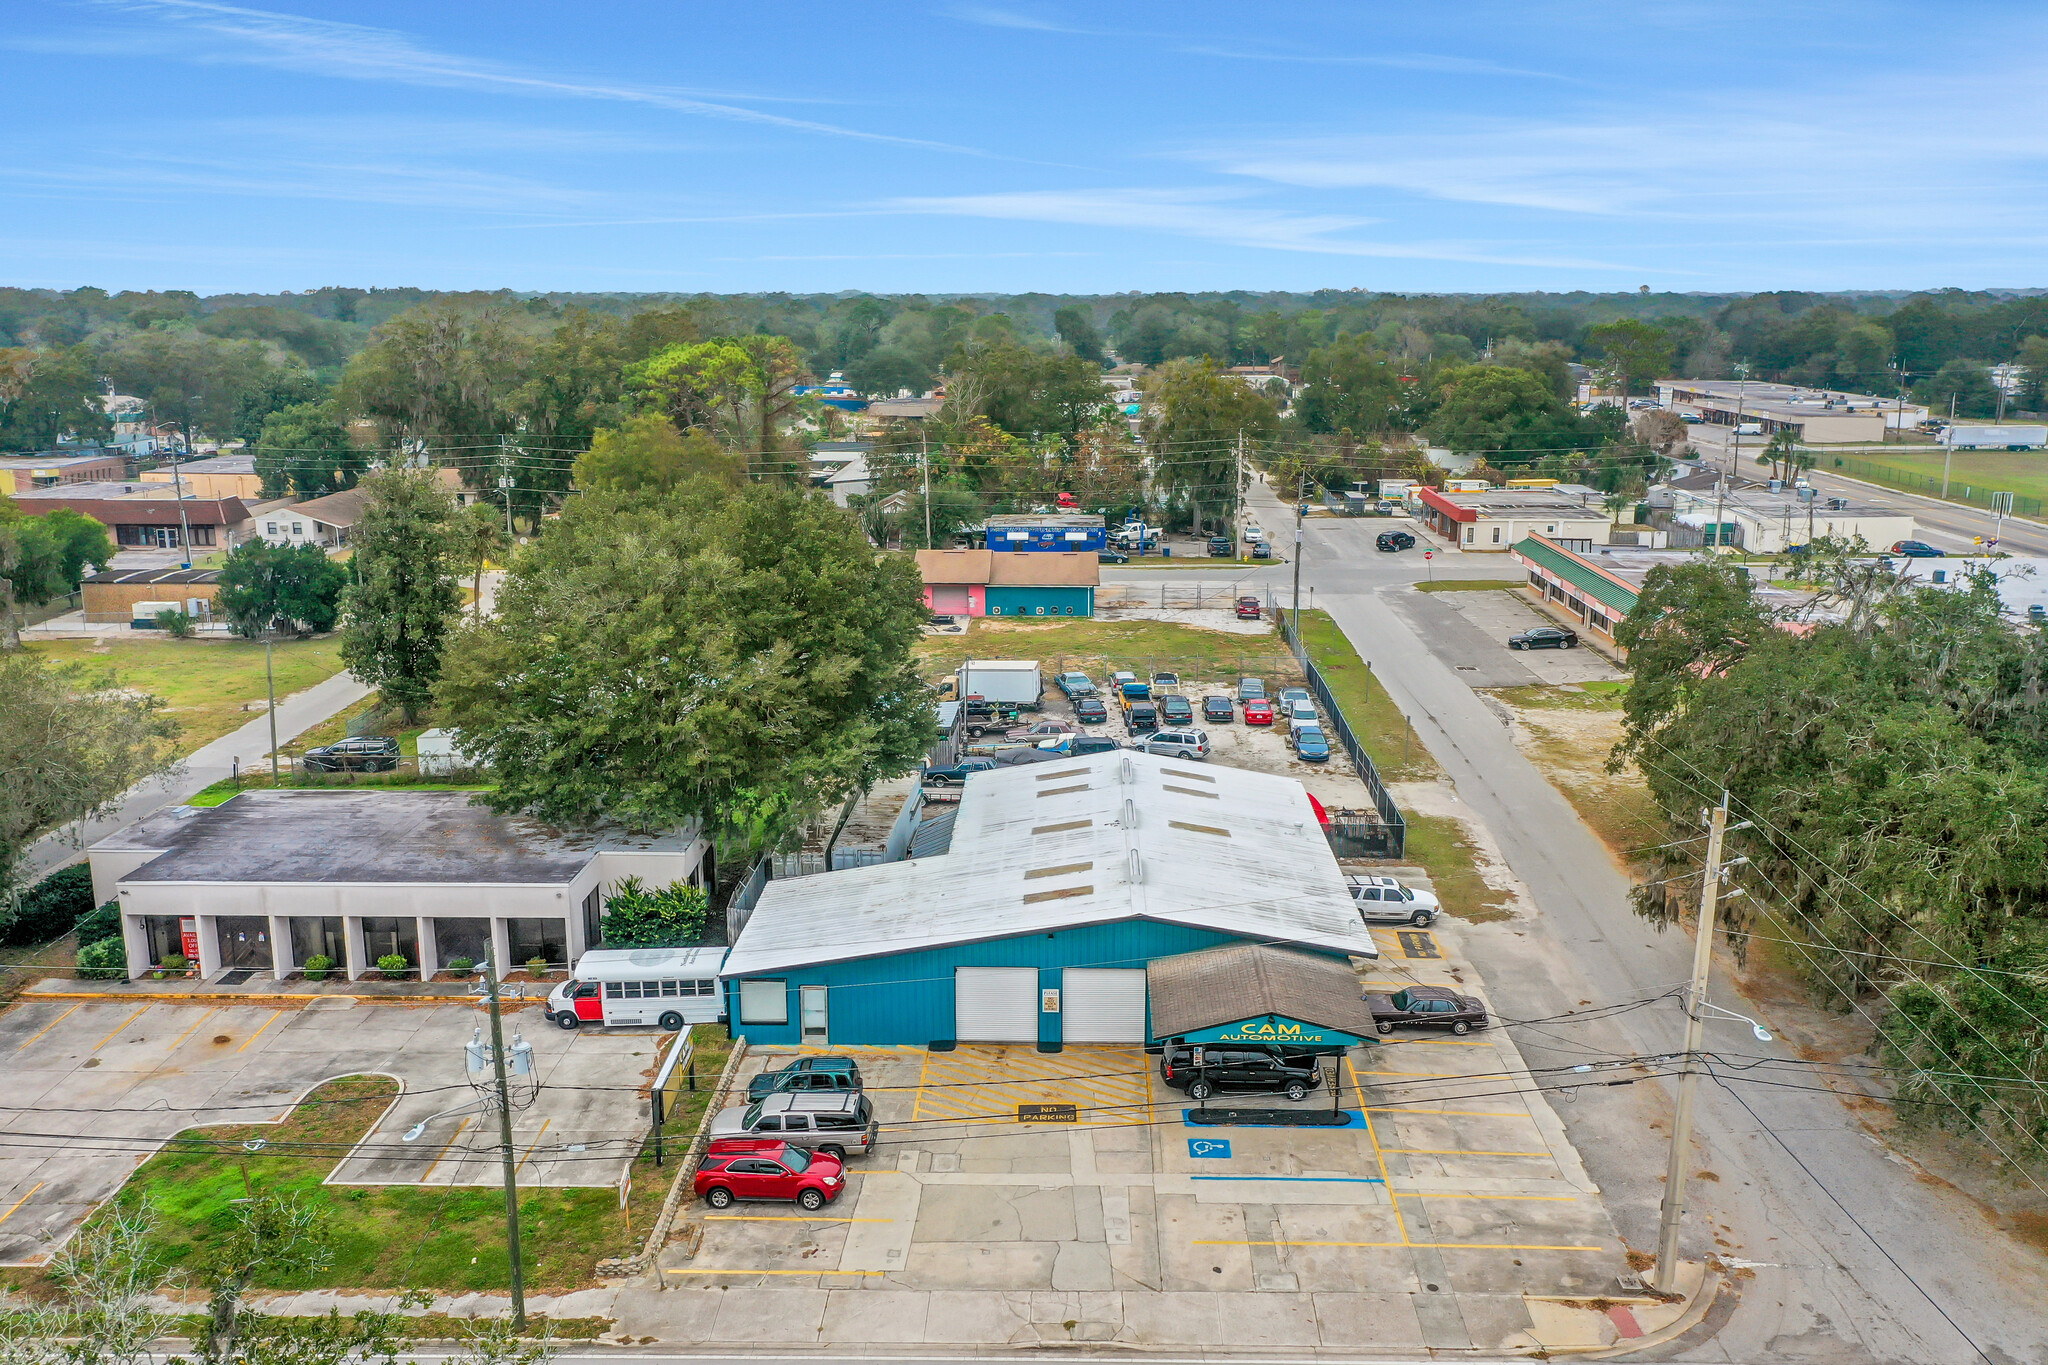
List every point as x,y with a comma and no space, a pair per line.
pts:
505,1147
270,685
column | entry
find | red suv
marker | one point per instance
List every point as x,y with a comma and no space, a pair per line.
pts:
768,1168
1248,609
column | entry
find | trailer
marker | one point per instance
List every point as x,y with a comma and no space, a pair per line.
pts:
1006,682
1994,437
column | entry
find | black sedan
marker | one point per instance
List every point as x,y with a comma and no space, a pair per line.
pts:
1218,709
1090,711
1426,1007
1394,540
1544,637
1111,557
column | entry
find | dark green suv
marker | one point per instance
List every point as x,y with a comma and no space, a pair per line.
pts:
807,1075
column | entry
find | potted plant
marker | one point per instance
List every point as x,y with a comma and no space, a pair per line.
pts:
537,968
318,967
394,966
460,967
174,964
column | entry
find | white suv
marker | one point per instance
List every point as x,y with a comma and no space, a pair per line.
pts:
1178,743
1382,900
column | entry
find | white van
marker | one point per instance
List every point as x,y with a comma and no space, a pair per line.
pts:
667,987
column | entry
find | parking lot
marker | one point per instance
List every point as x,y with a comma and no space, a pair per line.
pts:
1449,1200
94,1086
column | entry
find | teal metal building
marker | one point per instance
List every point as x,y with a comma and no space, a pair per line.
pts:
1035,600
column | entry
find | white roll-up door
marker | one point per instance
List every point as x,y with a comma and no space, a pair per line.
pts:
1102,1006
995,1004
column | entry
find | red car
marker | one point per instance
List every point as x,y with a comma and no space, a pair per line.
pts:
1248,609
1258,711
768,1168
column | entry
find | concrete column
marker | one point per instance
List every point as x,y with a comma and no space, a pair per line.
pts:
352,940
572,941
135,939
209,947
281,964
501,945
430,952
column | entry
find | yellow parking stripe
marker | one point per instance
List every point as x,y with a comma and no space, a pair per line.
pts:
52,1024
275,1016
531,1147
23,1200
1107,1084
456,1136
189,1032
118,1028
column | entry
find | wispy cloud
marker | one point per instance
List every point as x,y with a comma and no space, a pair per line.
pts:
1215,215
1399,61
988,16
201,31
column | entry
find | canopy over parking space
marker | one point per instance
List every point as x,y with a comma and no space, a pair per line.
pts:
1252,993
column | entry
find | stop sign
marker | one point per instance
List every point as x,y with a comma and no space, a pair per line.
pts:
1429,554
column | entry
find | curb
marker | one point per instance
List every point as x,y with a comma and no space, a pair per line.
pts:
657,1237
1695,1312
239,997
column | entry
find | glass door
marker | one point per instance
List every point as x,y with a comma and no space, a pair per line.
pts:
813,1004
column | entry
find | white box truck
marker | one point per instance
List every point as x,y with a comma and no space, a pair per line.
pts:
1009,682
666,987
1994,438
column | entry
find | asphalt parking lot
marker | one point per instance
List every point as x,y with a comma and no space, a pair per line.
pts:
95,1085
1450,1200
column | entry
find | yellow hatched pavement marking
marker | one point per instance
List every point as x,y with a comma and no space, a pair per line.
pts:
1109,1085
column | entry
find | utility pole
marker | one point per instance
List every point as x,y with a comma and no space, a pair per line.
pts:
178,482
270,685
1300,511
1720,502
924,462
505,485
1948,445
1688,1079
505,1147
1237,486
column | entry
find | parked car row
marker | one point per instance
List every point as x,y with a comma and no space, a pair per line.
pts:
792,1138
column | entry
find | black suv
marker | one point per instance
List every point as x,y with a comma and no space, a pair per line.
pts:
807,1073
1202,1071
364,755
1394,540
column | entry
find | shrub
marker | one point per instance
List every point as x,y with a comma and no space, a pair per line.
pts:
537,967
178,623
50,908
461,966
318,966
106,960
394,966
173,963
636,917
104,922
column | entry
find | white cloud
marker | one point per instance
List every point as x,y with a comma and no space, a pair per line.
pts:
1219,216
202,31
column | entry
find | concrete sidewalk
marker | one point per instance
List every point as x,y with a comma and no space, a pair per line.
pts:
208,764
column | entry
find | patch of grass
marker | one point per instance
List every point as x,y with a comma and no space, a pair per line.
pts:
1378,723
1470,585
388,725
1097,647
1590,696
1972,473
1439,843
258,779
205,683
449,1238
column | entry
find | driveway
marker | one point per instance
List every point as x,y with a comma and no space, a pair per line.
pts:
95,1086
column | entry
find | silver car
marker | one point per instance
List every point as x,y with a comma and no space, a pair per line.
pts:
1178,743
842,1124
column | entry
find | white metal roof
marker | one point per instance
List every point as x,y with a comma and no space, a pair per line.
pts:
1049,846
636,964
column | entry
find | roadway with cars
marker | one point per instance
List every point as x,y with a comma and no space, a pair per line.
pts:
1824,1288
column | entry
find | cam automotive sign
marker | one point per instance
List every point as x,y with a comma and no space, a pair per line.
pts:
1275,1029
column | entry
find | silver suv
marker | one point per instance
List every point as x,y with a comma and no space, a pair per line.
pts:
1178,743
842,1124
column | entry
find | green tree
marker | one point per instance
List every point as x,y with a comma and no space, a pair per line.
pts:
443,377
743,659
1198,415
646,454
1348,385
476,537
739,388
2033,358
71,746
49,394
44,556
396,615
278,390
1966,383
636,916
1490,409
305,452
191,380
268,1237
1637,352
267,588
1076,326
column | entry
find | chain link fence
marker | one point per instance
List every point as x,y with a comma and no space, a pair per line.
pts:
1930,484
1377,833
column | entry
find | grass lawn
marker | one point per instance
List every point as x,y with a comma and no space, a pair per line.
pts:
388,724
449,1238
258,779
1377,722
1469,585
204,683
1568,734
1438,843
1100,647
1972,473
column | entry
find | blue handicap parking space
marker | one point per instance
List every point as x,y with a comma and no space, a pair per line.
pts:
1209,1147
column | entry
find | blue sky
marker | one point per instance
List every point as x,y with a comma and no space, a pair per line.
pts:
1543,144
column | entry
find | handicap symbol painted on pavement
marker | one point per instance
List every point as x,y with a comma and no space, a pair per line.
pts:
1209,1147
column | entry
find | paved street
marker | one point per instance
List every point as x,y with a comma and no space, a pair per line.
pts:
1823,1290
